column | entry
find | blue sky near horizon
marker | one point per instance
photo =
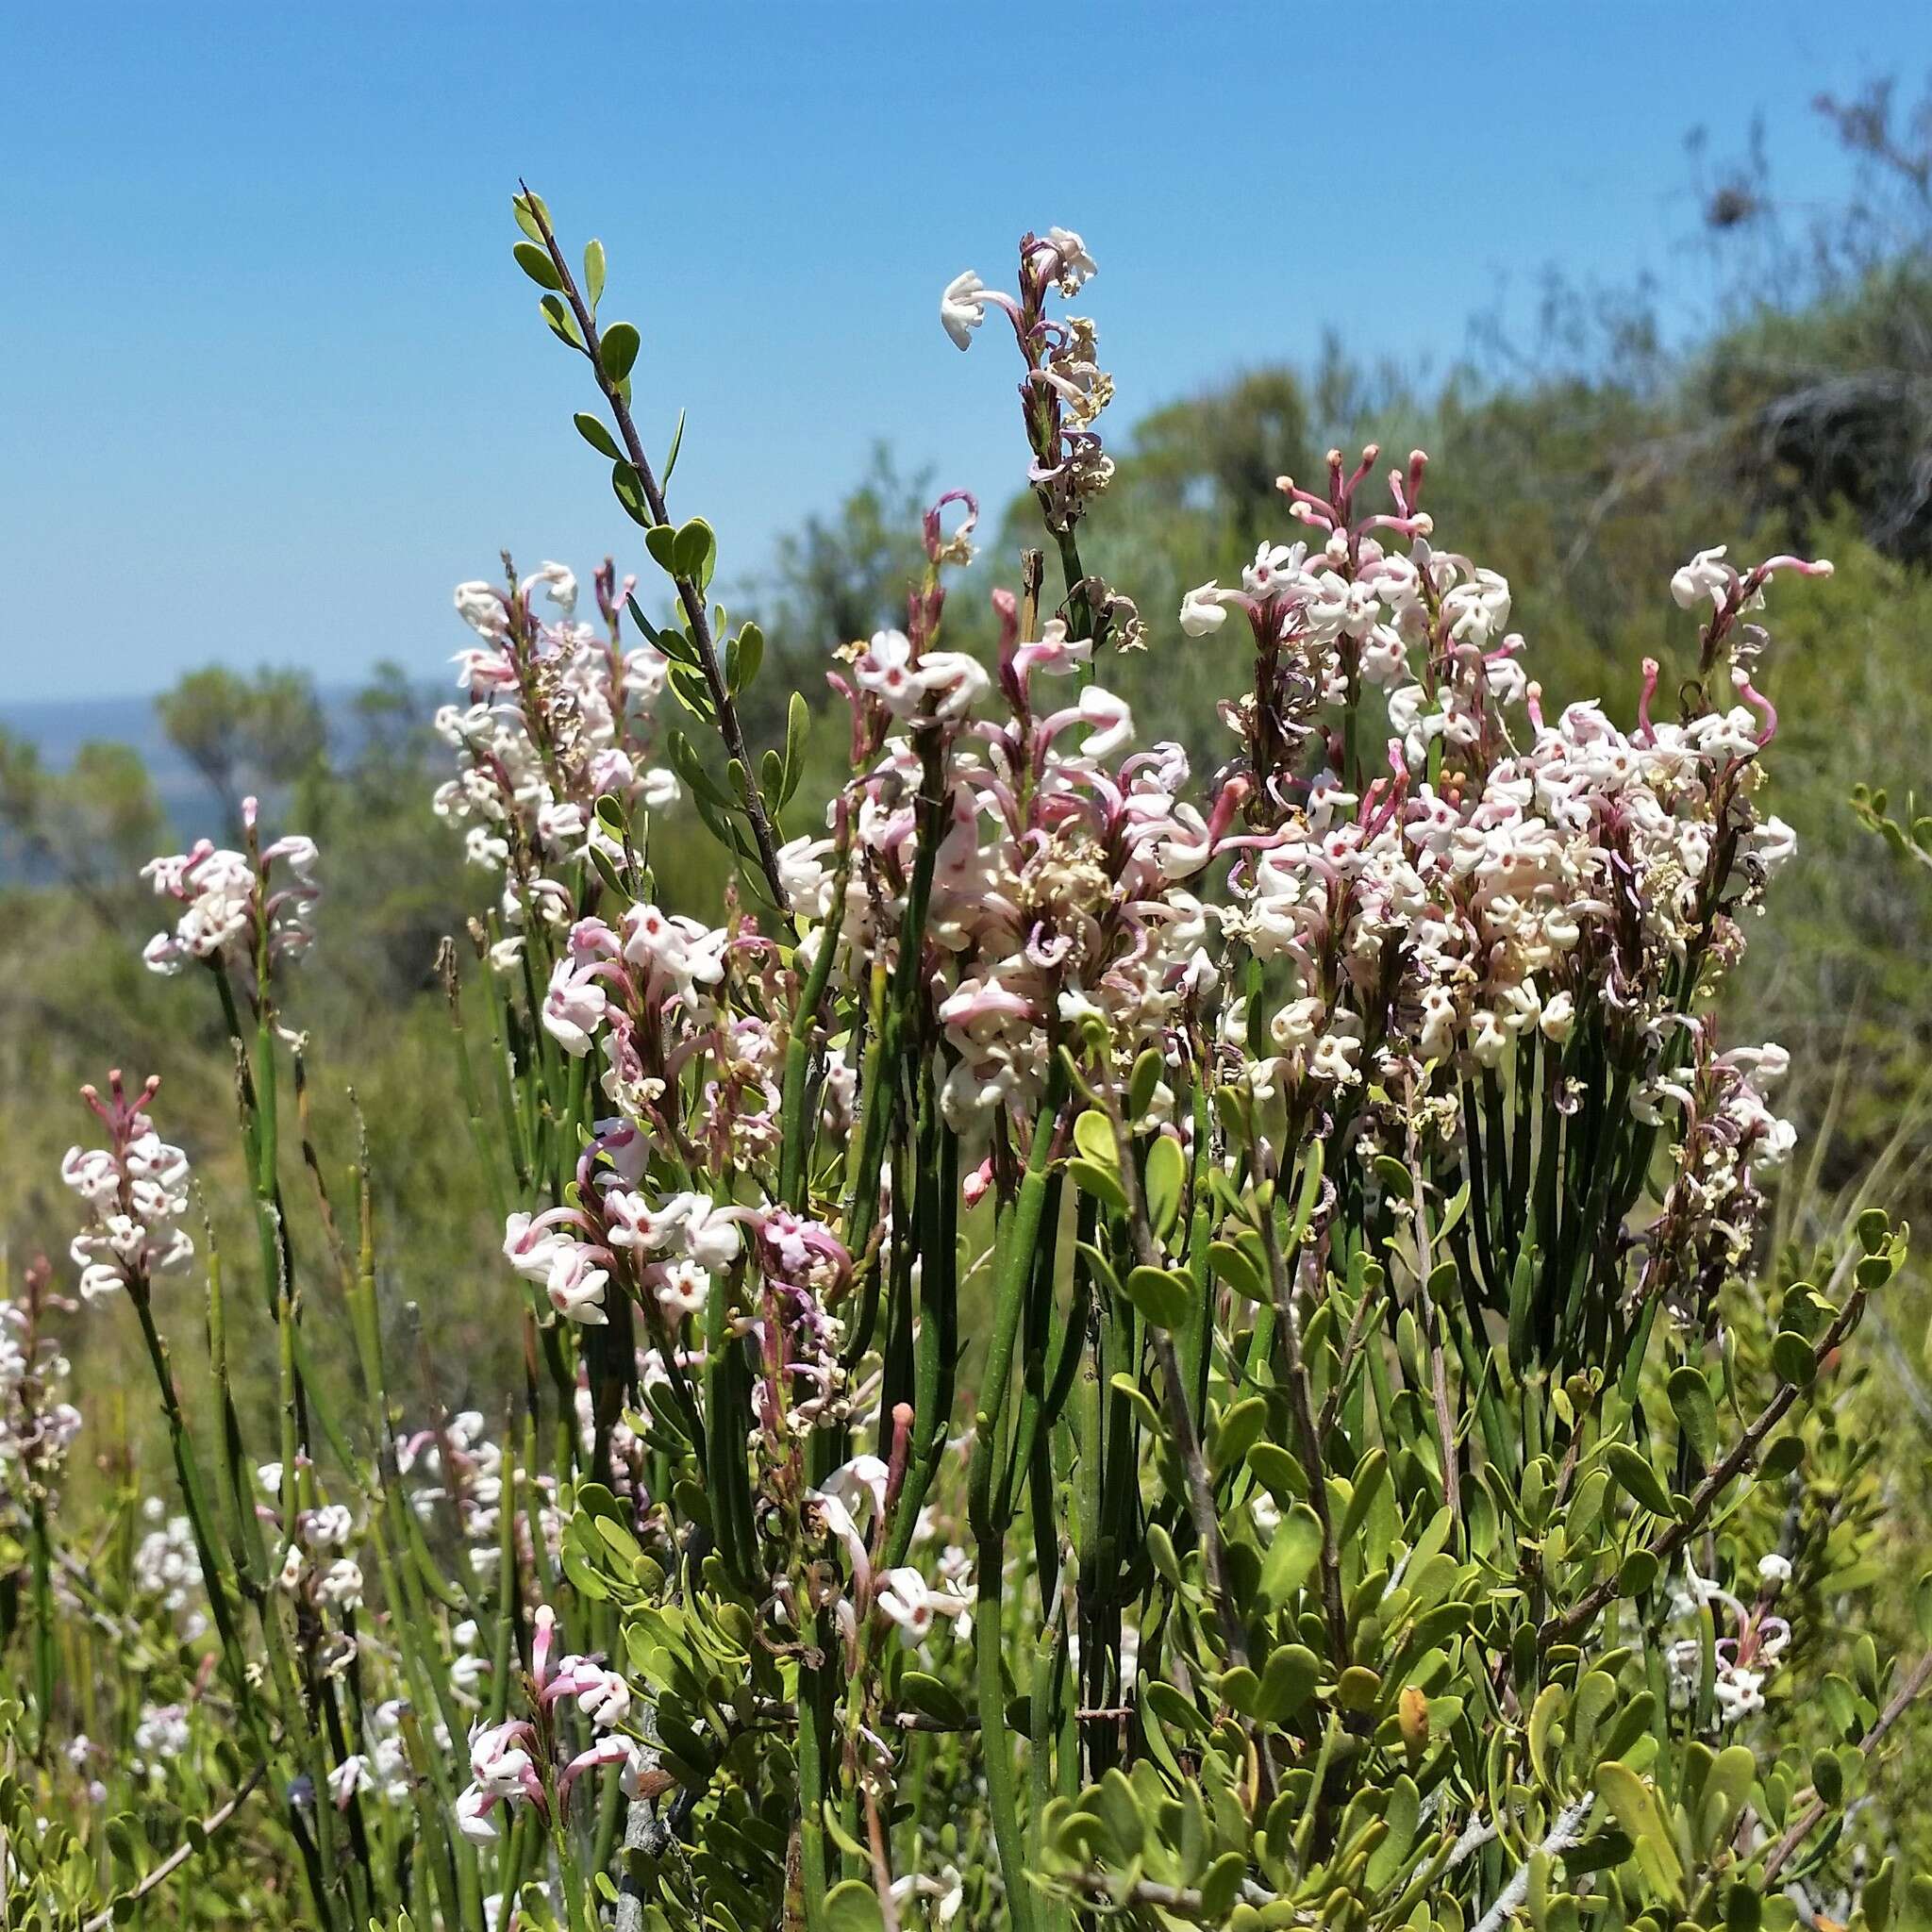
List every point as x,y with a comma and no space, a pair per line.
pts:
271,383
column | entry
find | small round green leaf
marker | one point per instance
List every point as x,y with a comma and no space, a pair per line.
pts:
599,438
853,1908
535,261
618,350
1166,1299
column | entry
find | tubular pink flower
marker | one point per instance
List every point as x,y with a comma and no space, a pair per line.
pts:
545,1635
610,1750
955,548
1811,567
1646,731
1759,704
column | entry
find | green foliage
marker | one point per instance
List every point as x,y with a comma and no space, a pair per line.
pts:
243,734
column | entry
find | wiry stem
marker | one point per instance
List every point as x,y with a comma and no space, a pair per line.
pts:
1187,1441
690,594
1801,1826
1301,1400
1666,1544
151,1881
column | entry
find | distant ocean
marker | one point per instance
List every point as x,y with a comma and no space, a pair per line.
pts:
59,727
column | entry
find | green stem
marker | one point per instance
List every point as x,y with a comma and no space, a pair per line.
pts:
995,1745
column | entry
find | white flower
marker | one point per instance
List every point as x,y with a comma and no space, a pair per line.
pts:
1334,1059
1076,266
558,583
903,1597
573,1009
711,1238
1273,563
1705,577
575,1288
960,679
480,606
683,1288
349,1778
533,1255
602,1695
863,1476
1298,1024
474,1805
1205,609
1738,1693
466,1675
1112,722
328,1527
962,308
886,671
948,1892
341,1584
1773,1568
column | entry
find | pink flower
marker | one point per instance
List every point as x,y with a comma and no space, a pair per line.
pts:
574,1008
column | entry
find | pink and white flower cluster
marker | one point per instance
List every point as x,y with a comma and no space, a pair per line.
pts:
1065,389
37,1423
556,719
236,906
1745,1659
521,1760
669,1247
1503,863
455,1472
136,1190
1063,884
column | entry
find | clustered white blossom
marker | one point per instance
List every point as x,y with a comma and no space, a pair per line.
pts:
316,1565
458,1468
1745,1657
160,1736
381,1769
521,1760
1505,871
167,1567
1065,389
136,1190
236,906
37,1423
1062,886
1727,1138
556,719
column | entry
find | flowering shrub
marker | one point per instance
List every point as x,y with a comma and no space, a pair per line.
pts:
1103,1344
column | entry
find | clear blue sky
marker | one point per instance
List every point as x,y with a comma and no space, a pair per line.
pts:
269,382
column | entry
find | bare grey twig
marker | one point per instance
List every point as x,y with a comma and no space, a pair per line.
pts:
181,1854
1801,1826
